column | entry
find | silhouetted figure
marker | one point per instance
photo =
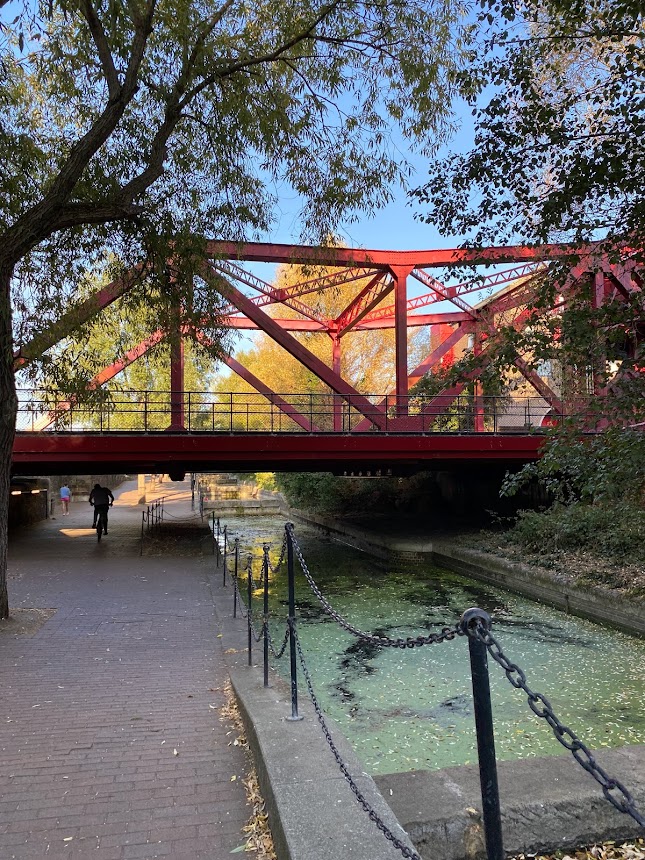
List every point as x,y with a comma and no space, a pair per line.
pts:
102,499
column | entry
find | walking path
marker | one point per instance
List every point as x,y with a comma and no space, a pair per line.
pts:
111,742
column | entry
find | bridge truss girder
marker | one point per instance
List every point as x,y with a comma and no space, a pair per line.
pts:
377,274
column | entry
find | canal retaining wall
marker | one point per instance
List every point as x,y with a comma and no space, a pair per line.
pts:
592,602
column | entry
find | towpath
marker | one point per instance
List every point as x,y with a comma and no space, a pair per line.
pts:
111,741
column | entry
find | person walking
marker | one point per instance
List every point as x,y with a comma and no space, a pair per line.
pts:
102,499
65,499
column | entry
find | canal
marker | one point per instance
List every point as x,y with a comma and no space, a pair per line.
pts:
404,709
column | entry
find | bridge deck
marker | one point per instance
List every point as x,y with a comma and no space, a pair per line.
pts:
137,452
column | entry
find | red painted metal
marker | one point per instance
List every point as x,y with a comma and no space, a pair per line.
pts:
378,273
261,252
302,354
400,275
80,314
271,396
370,296
59,453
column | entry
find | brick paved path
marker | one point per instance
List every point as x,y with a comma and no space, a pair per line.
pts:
94,705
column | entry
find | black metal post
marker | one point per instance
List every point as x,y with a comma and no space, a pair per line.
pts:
235,579
265,575
470,621
143,519
225,551
213,532
249,598
291,621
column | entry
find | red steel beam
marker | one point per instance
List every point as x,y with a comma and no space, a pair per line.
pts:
87,453
414,320
268,325
104,376
270,395
78,315
263,252
370,296
400,275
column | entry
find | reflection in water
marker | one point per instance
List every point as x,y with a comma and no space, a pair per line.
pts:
411,708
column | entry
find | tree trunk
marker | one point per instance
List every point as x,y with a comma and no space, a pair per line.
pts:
8,409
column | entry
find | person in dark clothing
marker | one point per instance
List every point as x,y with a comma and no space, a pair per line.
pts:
102,499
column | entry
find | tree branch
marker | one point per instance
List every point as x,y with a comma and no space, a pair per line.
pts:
269,57
39,222
103,48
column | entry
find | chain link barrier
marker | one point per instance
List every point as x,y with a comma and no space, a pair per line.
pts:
612,788
360,797
446,634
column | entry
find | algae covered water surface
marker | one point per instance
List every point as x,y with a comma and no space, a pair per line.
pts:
404,709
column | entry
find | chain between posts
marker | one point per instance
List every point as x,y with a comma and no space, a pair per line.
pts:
408,853
621,798
446,634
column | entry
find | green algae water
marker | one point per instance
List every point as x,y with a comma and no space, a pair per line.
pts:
404,709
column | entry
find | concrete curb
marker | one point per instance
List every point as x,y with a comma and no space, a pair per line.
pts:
547,804
312,811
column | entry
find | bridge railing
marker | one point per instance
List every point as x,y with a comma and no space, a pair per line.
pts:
242,412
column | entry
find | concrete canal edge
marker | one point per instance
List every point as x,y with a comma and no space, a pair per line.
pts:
547,803
595,603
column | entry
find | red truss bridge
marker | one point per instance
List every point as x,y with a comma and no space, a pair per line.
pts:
345,429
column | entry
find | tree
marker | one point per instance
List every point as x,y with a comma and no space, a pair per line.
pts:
556,91
136,125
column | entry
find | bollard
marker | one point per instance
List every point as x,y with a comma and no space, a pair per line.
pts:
249,597
265,575
235,579
470,620
291,621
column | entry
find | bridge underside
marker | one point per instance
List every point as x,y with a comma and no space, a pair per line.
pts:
135,453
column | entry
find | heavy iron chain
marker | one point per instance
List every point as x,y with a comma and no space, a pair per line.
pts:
446,634
613,789
257,636
360,797
277,654
283,549
240,602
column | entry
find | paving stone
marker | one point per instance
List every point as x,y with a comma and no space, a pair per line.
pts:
97,700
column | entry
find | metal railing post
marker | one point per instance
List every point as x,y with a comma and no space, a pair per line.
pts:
225,551
470,620
265,575
143,519
249,598
291,621
213,533
235,577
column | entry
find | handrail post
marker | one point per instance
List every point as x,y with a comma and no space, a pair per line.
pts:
235,577
213,532
470,620
291,621
225,551
265,575
249,598
143,519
